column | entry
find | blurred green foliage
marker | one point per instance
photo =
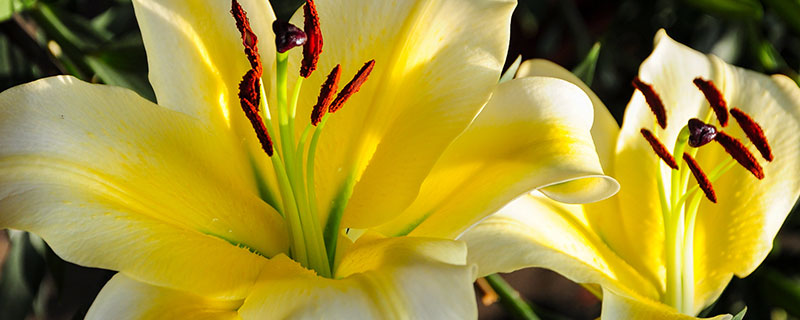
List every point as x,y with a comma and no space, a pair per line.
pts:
603,42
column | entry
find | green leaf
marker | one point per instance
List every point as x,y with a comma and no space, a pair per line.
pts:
120,64
731,9
511,299
788,10
740,315
511,71
284,9
9,7
768,56
780,291
585,69
22,273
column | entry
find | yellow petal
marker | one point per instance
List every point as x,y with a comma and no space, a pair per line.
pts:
604,128
113,181
196,60
735,235
533,133
124,298
195,54
379,278
534,231
617,306
436,64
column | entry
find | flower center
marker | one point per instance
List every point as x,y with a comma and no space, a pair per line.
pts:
679,206
293,161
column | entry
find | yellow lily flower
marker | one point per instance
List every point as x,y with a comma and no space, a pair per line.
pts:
204,217
653,263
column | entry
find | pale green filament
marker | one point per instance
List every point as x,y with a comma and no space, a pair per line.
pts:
296,184
679,226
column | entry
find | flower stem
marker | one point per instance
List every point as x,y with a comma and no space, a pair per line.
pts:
510,298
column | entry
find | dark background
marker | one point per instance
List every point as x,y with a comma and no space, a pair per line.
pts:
98,41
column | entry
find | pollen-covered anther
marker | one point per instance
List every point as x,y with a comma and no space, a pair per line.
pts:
700,133
653,100
249,97
700,176
659,149
753,132
739,152
287,36
326,95
313,47
249,39
714,98
352,87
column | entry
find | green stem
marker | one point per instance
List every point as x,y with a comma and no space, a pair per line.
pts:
688,255
293,103
312,198
295,226
674,252
680,145
286,136
510,298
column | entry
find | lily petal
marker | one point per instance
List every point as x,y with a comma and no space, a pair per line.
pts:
113,181
196,61
396,278
533,134
125,298
735,235
436,64
195,53
604,128
534,231
617,306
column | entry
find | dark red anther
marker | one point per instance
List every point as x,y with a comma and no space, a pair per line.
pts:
700,133
249,98
352,87
326,95
739,152
287,35
700,176
715,99
313,47
753,132
659,148
653,100
249,39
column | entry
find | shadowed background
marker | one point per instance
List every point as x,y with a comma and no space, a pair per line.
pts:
604,41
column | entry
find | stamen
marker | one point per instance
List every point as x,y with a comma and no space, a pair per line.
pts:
700,133
249,97
325,95
653,100
700,176
287,35
313,47
715,99
249,39
753,132
659,148
739,152
352,87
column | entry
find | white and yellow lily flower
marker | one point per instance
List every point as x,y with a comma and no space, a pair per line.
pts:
210,212
658,249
